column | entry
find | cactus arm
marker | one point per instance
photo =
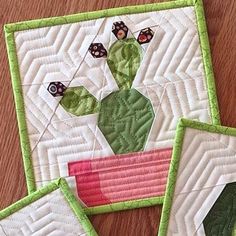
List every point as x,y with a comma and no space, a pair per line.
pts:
78,101
124,58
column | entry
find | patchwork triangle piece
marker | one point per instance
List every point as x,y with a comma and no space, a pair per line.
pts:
98,97
200,197
52,210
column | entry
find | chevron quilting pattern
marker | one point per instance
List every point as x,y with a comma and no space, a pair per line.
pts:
50,215
54,53
175,47
65,141
171,75
187,98
201,179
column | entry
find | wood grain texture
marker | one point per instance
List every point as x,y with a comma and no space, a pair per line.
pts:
142,222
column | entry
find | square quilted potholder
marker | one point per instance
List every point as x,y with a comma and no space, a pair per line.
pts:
98,96
52,210
201,189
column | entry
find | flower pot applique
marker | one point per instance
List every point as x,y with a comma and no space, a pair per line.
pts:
125,116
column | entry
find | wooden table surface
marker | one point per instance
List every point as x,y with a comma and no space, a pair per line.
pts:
221,22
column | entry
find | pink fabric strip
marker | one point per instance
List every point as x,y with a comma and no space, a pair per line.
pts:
121,177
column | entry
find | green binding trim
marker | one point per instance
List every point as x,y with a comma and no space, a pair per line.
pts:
60,20
28,199
78,101
71,199
124,58
206,54
77,208
20,111
174,165
127,205
16,81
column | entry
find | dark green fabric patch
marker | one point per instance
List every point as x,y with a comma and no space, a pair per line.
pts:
221,219
125,119
124,58
79,101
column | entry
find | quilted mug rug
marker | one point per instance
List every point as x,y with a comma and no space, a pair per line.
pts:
52,210
200,196
98,96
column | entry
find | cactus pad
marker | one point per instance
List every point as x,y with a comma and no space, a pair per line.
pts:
125,119
124,58
79,101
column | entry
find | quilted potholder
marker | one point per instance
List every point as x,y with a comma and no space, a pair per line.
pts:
201,189
52,210
98,97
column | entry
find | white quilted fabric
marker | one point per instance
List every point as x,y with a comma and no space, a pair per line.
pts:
171,76
51,215
207,164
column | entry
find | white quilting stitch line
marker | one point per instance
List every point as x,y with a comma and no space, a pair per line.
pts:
217,159
31,39
155,112
196,231
193,52
96,129
68,85
51,46
164,85
193,21
199,190
197,140
140,66
43,83
3,230
165,71
74,145
39,214
72,118
151,26
225,145
157,13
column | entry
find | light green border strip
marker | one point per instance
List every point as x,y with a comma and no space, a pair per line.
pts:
206,54
174,164
20,111
16,81
177,151
77,208
127,205
33,24
71,199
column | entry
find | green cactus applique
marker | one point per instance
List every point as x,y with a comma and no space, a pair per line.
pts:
125,117
221,219
79,101
124,59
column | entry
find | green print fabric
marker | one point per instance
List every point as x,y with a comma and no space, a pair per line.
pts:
78,101
125,119
221,219
124,58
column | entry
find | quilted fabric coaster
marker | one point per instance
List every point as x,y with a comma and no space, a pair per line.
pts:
98,96
52,210
200,197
